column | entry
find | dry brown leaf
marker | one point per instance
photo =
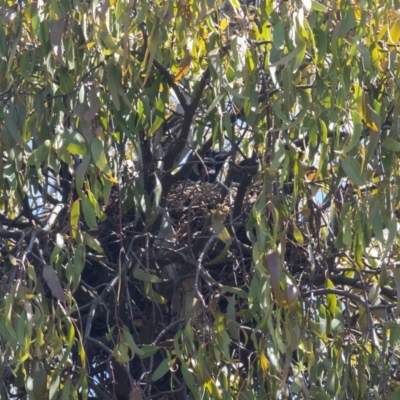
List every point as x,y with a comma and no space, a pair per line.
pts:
183,67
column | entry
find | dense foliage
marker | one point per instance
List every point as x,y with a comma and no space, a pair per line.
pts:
273,272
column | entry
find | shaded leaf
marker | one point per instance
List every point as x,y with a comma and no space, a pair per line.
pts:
66,83
94,105
353,170
51,278
289,57
391,144
89,213
56,33
145,276
161,370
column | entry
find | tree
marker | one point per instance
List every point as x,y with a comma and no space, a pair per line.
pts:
275,275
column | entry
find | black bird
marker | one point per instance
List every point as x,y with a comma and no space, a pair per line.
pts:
246,167
213,161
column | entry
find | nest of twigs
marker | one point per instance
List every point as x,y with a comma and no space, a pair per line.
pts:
187,212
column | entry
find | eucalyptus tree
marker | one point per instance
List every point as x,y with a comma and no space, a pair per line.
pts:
273,273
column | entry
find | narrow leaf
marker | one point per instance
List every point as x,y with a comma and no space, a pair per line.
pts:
289,57
161,370
318,6
51,278
353,170
99,157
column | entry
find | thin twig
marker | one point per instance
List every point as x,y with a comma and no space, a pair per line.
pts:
199,268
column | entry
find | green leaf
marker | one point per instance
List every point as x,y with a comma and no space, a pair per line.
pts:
121,353
279,156
391,144
144,276
99,157
353,170
336,326
216,62
36,382
13,128
152,47
31,273
74,217
279,35
114,83
299,57
75,267
21,330
157,192
357,130
54,385
57,248
316,6
187,375
68,340
148,351
93,202
89,213
238,291
394,333
80,175
76,144
161,370
330,298
160,116
7,331
348,22
66,393
289,57
347,232
92,242
128,338
66,83
213,389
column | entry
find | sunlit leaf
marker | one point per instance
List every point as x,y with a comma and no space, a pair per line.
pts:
92,242
99,157
264,362
316,6
394,32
